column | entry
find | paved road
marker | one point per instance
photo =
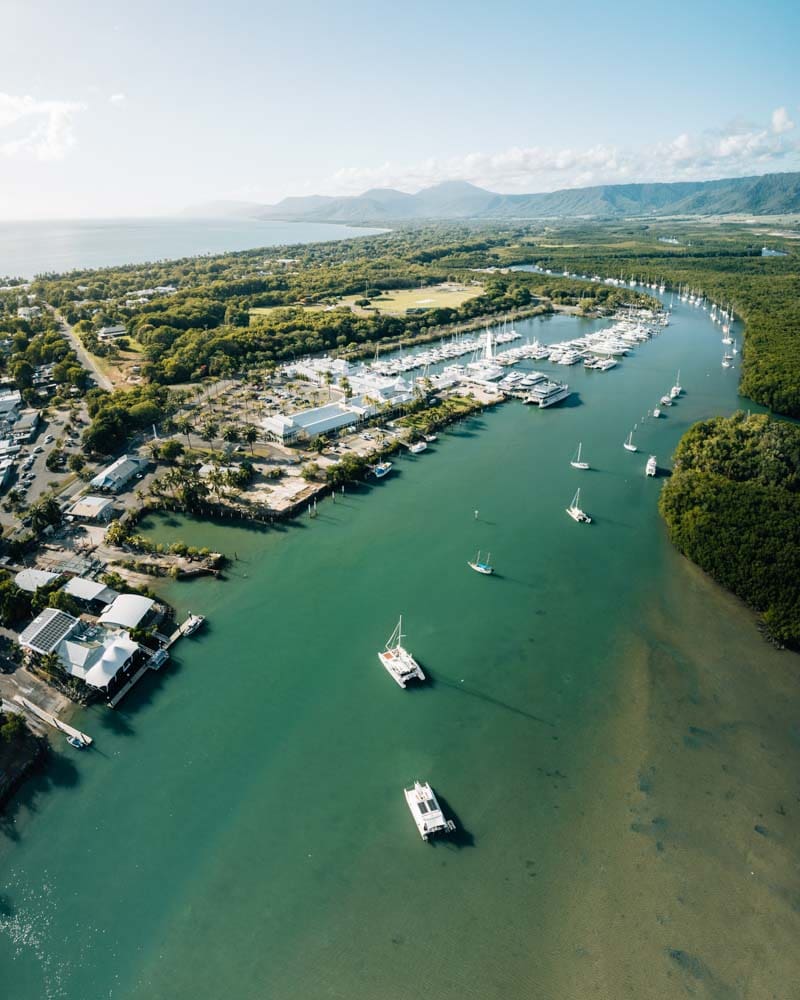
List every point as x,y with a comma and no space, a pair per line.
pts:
85,358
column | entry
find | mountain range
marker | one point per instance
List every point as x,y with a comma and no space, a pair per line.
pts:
767,194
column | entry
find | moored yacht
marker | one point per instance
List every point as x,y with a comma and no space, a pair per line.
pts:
651,468
417,447
381,469
397,659
666,400
677,389
482,566
577,462
575,511
193,623
547,394
628,445
427,812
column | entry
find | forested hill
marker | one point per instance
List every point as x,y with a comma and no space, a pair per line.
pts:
765,195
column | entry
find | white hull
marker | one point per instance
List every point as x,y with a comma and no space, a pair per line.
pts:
651,468
579,465
401,665
426,811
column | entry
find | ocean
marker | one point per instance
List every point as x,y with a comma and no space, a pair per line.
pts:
31,248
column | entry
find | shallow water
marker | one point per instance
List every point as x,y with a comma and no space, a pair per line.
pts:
605,724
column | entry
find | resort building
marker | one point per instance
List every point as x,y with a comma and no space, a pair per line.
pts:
92,508
129,611
308,424
101,658
117,475
374,394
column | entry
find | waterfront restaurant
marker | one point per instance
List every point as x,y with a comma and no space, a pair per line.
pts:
101,658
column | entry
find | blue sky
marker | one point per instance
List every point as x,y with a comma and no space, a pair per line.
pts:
140,109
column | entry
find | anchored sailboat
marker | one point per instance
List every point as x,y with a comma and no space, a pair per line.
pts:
576,462
484,567
575,512
629,445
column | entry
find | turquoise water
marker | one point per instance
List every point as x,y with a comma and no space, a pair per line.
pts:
31,248
603,722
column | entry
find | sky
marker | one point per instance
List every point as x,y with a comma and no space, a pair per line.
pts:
122,109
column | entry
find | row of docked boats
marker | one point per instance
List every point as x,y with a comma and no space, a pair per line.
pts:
447,350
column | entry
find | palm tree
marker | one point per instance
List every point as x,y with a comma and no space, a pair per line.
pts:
251,435
184,426
231,434
209,430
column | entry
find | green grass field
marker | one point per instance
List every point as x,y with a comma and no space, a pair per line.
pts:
396,301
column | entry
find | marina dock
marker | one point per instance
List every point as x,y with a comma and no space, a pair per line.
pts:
52,721
154,662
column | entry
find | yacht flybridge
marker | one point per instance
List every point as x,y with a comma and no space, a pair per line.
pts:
575,511
427,812
397,659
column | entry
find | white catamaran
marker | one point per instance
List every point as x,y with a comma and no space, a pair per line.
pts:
575,511
398,661
576,462
425,809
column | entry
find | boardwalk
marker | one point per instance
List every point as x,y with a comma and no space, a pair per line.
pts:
51,720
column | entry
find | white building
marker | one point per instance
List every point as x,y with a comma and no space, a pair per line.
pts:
101,658
90,591
118,474
111,332
127,611
9,402
32,579
91,508
308,424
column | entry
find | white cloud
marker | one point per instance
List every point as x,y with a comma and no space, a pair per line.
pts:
42,129
117,99
733,151
781,122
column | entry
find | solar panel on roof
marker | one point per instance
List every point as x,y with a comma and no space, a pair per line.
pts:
53,631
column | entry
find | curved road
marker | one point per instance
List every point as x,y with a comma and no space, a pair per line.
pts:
85,358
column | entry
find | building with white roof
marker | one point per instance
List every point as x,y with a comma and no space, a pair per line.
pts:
308,424
9,401
115,476
90,591
92,508
101,658
111,332
127,611
32,579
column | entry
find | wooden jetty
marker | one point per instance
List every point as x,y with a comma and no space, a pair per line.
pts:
154,662
51,720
